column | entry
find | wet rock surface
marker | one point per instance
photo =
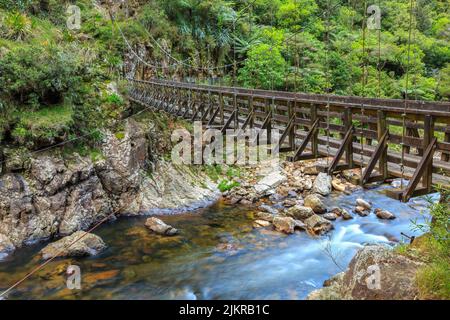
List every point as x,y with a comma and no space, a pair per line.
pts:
396,277
287,225
159,227
318,225
384,214
78,244
61,195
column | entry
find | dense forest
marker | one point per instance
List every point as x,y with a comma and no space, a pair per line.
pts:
54,81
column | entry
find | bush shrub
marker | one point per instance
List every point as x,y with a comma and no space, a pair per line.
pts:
37,75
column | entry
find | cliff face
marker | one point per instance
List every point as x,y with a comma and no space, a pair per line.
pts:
60,195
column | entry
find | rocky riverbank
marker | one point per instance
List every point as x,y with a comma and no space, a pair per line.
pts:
290,196
375,273
49,194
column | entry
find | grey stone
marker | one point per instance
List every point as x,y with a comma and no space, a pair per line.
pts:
78,244
158,226
322,184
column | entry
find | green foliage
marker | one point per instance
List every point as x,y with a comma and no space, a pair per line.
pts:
444,83
43,126
265,68
16,26
438,225
213,172
227,185
433,248
36,74
114,99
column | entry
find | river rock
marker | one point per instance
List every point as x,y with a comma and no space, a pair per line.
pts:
318,225
311,169
307,183
346,215
361,211
314,202
300,212
330,216
322,184
287,224
261,223
338,185
292,194
270,182
288,203
384,214
269,209
78,244
262,215
397,277
363,203
158,226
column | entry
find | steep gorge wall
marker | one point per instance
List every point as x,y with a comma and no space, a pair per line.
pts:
60,195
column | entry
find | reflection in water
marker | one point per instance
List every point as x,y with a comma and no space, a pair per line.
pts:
218,255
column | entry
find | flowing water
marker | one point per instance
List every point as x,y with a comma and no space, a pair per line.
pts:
218,255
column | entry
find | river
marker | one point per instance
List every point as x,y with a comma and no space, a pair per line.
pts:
218,255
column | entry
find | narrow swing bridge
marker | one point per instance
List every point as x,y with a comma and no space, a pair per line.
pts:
354,131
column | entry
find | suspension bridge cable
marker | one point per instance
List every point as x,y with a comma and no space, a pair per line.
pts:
402,165
379,53
364,80
328,84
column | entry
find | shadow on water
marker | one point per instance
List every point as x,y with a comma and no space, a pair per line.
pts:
218,255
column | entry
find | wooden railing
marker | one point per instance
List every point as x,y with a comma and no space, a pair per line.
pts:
368,132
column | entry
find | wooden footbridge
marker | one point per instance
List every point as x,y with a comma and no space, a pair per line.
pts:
387,137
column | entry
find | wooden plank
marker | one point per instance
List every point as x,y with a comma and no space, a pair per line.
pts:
422,170
428,137
381,148
382,128
298,153
347,140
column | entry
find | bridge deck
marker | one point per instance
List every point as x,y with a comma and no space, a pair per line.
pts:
305,119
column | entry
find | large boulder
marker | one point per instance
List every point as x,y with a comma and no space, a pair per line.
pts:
158,226
322,184
318,225
300,212
287,224
314,202
375,273
78,244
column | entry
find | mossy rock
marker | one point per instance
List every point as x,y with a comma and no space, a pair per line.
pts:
16,159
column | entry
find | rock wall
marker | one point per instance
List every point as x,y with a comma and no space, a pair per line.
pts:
60,195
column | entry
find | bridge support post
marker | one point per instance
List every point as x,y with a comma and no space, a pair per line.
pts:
427,140
315,133
348,123
222,115
291,114
251,109
446,156
381,129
